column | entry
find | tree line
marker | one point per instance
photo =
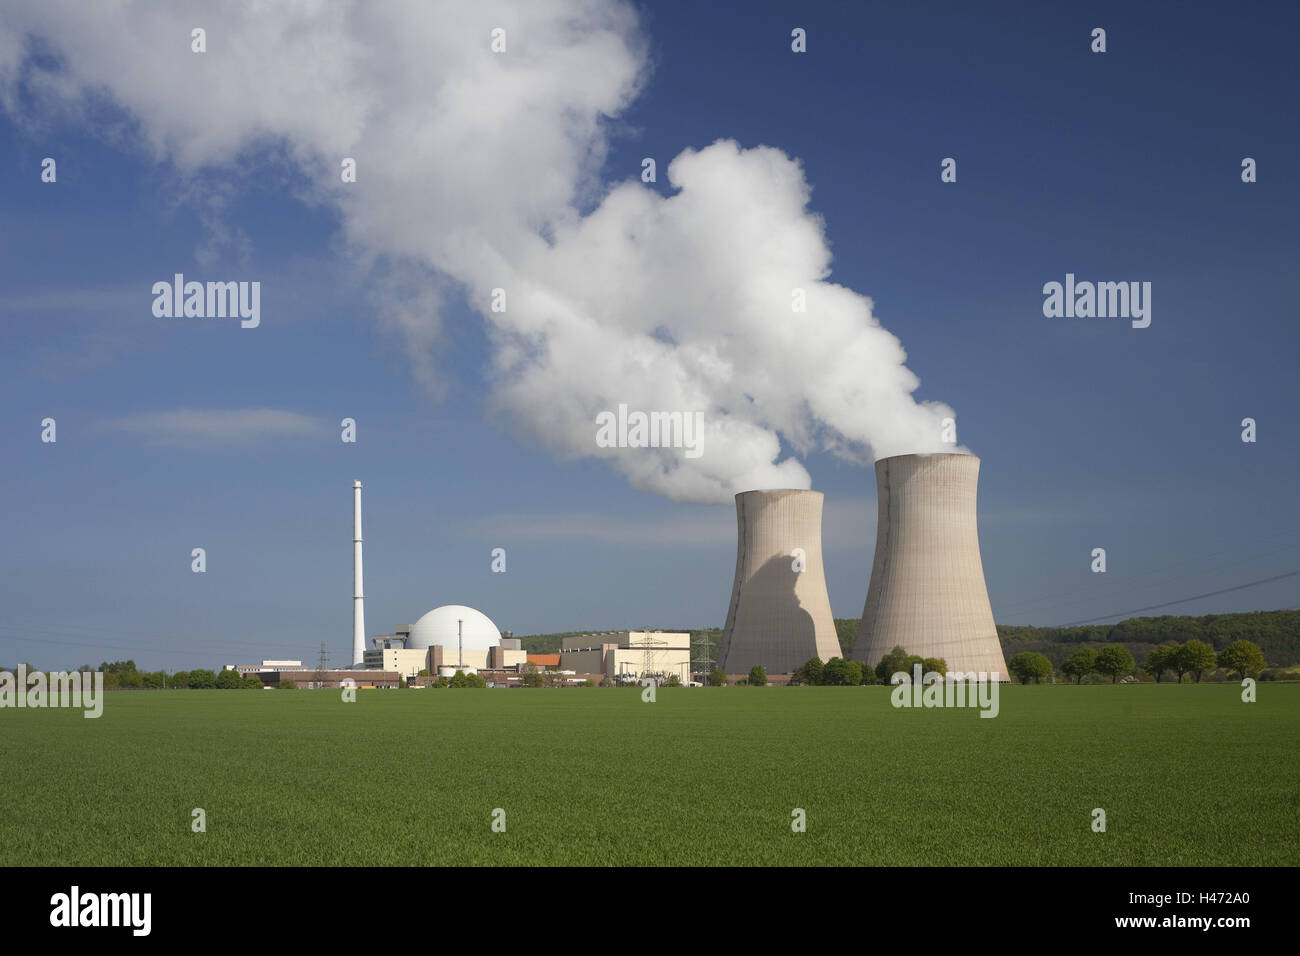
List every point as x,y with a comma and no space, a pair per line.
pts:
1190,658
1275,633
125,674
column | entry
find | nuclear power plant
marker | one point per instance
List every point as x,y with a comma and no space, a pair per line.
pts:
926,595
927,592
780,613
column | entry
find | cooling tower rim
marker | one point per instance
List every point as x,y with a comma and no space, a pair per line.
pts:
937,454
780,491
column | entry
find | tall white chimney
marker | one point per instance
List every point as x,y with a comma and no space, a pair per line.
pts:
358,598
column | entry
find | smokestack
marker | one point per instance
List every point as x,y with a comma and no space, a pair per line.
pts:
927,592
358,598
780,614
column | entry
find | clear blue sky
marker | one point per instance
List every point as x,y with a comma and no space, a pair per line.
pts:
1118,166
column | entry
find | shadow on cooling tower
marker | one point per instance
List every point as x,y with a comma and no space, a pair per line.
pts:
771,627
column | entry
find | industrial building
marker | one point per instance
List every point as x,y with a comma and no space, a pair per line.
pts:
927,592
309,678
266,667
629,654
780,613
447,639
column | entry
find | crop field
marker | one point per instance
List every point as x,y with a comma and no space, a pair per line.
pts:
1187,775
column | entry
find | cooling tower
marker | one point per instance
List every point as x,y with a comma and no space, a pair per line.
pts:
927,592
779,614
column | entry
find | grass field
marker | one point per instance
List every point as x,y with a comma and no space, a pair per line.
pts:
1186,774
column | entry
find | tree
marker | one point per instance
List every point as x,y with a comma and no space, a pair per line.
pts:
474,680
891,664
810,671
253,682
935,665
757,676
179,679
229,680
458,680
1160,659
529,675
717,677
1243,657
424,672
840,673
1195,657
1177,661
287,684
1027,666
1080,664
1115,660
672,681
202,679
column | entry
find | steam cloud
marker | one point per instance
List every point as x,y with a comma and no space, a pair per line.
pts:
473,167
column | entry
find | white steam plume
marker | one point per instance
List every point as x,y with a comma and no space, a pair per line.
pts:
472,165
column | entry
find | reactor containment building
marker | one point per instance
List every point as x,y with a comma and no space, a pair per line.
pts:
927,592
780,613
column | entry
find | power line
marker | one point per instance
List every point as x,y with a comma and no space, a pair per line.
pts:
1194,597
324,665
1020,607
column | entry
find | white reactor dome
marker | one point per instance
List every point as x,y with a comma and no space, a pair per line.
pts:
439,627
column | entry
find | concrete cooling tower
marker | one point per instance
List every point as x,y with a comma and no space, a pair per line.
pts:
927,592
779,614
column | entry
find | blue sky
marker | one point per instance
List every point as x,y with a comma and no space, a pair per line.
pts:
1115,166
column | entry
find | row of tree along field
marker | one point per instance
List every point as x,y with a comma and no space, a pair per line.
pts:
1191,661
1275,633
123,674
839,672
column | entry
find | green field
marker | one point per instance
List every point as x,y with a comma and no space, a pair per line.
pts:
1186,774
